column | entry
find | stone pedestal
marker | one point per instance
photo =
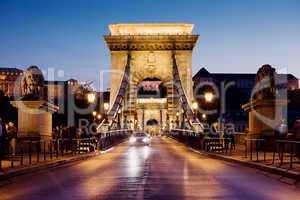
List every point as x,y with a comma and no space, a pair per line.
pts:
34,119
264,116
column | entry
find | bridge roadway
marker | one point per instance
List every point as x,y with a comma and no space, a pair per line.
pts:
164,171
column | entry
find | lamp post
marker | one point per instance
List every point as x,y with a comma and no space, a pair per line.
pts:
177,119
119,120
208,97
195,108
204,117
94,115
106,106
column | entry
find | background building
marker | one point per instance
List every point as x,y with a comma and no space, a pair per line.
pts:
58,93
9,80
238,93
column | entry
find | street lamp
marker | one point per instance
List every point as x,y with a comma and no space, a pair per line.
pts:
208,96
91,97
195,105
195,108
94,113
106,106
99,116
119,119
204,117
177,119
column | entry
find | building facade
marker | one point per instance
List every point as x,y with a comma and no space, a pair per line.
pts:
9,80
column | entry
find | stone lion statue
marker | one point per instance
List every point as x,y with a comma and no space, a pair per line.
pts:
265,80
32,83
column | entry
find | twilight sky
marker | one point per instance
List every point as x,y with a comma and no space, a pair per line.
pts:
235,35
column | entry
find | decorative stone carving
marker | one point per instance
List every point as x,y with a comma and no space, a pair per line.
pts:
32,84
34,113
150,69
150,42
265,80
151,57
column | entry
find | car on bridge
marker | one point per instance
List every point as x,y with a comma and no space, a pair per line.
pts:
139,138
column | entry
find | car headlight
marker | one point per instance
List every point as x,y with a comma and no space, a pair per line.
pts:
132,140
146,140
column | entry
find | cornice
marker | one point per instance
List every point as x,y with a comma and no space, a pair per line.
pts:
150,42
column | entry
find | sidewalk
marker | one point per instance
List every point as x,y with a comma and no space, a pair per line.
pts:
18,169
239,158
258,162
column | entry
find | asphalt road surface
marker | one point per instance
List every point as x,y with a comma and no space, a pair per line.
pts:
163,171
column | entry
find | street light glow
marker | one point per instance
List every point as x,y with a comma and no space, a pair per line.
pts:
204,116
195,105
99,116
208,96
106,106
91,97
94,113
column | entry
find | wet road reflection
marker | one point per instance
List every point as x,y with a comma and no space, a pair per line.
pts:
136,157
164,170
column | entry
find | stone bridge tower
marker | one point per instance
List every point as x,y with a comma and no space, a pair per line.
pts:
151,47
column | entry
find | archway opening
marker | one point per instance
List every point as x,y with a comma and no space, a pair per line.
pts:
152,122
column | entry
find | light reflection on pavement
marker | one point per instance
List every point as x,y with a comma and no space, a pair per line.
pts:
164,170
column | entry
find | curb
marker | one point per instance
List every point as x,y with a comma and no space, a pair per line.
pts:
270,169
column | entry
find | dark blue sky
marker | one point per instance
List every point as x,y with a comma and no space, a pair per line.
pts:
235,35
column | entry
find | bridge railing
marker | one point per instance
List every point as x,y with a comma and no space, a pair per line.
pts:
113,137
28,152
280,153
202,141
